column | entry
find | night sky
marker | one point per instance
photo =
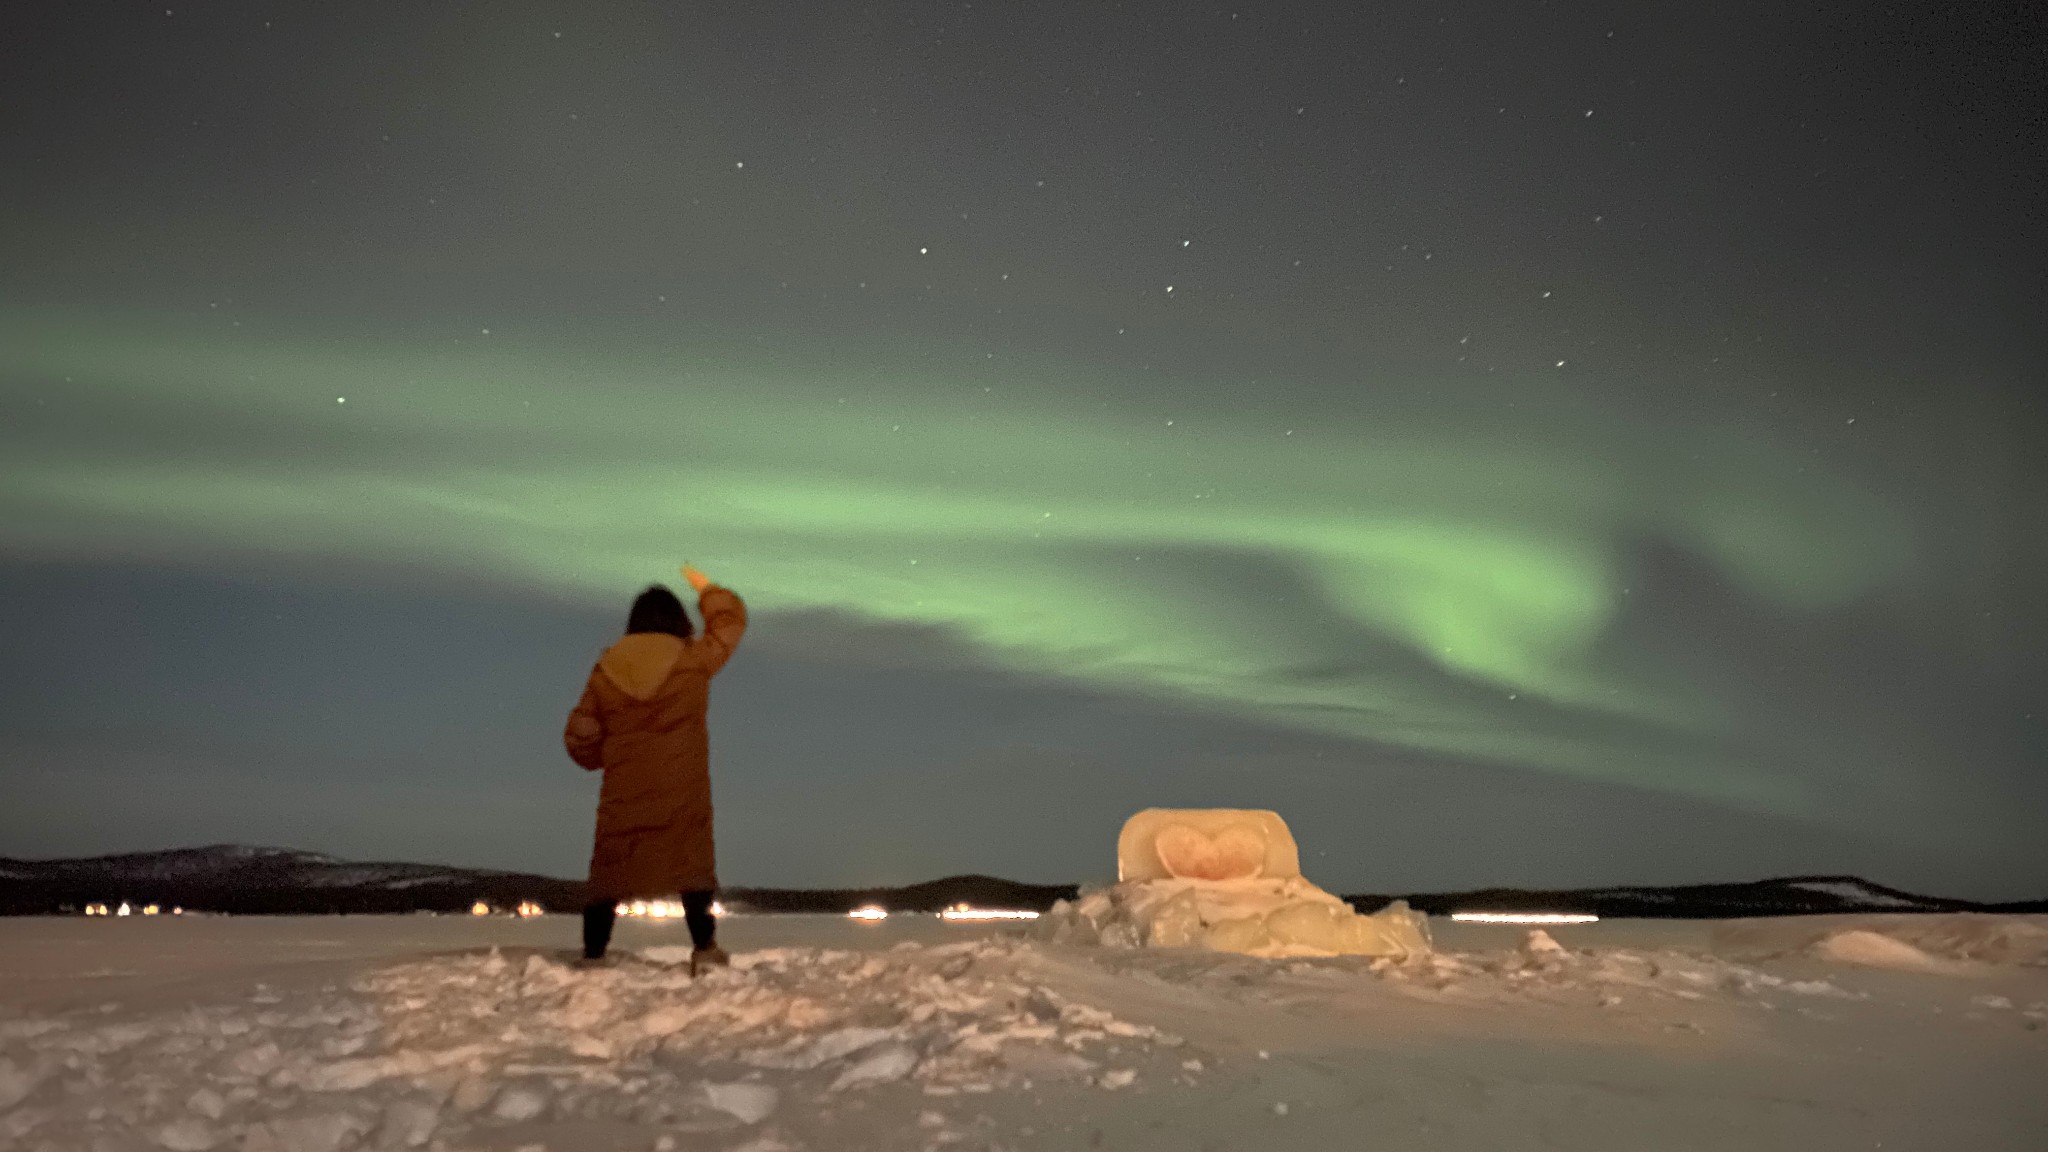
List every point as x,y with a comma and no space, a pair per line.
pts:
1520,443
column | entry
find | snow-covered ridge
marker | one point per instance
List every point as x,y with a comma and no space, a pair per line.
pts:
1856,892
1781,896
259,879
244,879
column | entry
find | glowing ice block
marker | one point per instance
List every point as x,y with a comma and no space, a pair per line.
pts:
1206,844
1227,880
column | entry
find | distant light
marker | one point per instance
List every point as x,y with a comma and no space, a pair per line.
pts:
869,913
1525,917
528,908
479,909
661,909
149,909
177,911
963,912
122,910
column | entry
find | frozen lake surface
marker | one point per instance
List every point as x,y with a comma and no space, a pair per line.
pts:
260,1034
57,962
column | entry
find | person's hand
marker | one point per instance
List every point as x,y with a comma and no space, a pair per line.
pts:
698,580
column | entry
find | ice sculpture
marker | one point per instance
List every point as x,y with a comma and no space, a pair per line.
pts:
1205,844
1228,880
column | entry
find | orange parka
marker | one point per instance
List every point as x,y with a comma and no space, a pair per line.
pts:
641,723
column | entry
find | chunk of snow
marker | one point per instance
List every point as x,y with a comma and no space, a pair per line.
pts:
208,1103
889,1063
1117,1078
1819,988
1539,945
541,976
408,1124
835,1045
16,1083
349,1075
319,1132
189,1134
751,1103
255,1063
1042,1063
519,1103
472,1093
590,1005
28,1029
840,1044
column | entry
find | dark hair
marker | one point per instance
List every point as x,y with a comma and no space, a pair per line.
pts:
658,610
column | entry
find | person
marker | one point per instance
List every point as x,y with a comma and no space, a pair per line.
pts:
641,722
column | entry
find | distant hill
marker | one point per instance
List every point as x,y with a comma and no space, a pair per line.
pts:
242,879
247,880
930,896
1786,896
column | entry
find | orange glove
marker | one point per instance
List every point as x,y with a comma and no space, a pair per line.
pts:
698,580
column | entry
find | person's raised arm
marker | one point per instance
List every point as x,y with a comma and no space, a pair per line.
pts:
584,735
725,619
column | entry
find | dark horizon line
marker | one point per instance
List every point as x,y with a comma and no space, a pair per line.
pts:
1913,902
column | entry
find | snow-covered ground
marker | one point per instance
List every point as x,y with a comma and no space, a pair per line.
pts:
364,1032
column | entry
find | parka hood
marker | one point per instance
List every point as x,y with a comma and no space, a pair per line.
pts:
640,661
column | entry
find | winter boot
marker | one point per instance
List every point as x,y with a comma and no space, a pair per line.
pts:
705,958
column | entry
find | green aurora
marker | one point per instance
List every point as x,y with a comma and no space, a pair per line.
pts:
1437,577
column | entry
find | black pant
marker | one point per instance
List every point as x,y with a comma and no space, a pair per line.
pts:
598,920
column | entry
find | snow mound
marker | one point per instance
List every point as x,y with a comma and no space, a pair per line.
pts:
1951,943
1969,936
1255,916
951,1018
467,1051
1876,950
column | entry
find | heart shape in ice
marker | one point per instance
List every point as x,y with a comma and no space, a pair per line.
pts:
1232,854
